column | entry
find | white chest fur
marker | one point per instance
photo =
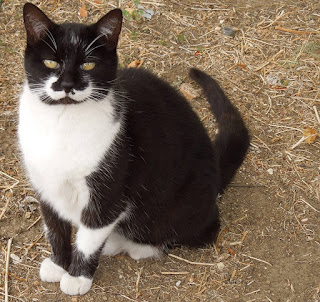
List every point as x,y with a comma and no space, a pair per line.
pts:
61,145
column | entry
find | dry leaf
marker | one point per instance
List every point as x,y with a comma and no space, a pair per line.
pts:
136,63
96,1
242,66
188,91
83,11
310,135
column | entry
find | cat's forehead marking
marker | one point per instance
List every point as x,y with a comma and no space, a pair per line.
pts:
74,38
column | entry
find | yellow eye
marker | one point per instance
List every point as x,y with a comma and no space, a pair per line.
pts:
88,66
51,64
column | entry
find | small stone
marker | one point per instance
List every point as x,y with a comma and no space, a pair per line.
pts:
228,31
270,171
178,283
16,259
220,266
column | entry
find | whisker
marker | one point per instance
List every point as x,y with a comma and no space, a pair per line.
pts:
92,49
94,40
48,45
50,36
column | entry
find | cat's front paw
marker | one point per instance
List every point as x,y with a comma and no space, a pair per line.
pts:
51,272
75,285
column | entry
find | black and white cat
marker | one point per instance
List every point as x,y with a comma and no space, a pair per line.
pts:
117,153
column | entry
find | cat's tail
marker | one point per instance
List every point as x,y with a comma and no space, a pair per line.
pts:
232,140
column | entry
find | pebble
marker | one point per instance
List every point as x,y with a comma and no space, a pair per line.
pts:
270,171
228,31
220,266
16,259
178,283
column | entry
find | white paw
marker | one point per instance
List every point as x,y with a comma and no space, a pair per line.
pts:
75,285
114,245
51,272
117,243
143,251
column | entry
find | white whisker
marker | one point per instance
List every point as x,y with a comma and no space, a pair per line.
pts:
50,36
94,40
92,49
48,45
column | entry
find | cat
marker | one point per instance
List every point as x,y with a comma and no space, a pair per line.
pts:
117,153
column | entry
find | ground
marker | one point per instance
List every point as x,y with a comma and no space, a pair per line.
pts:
269,244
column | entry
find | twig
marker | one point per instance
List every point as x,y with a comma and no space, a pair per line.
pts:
33,243
14,276
174,273
137,282
257,259
12,186
116,294
239,219
13,297
276,19
308,204
30,226
191,262
317,114
254,292
5,208
301,140
269,60
6,289
293,31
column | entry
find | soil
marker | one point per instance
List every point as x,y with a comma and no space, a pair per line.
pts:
269,244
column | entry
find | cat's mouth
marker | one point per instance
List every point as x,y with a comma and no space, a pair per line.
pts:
64,101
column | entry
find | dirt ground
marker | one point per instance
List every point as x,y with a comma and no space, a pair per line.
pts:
269,244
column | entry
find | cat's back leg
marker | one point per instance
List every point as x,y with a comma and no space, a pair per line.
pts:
117,244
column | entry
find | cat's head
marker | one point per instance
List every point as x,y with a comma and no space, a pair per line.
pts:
70,63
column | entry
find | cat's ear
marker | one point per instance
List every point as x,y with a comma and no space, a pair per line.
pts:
109,26
36,23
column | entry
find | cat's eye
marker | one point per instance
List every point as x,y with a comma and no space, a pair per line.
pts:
88,66
51,64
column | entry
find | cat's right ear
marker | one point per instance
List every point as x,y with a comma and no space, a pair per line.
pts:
109,27
35,22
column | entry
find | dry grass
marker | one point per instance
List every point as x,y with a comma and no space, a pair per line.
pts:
268,248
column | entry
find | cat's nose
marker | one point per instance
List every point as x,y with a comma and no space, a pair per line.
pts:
67,85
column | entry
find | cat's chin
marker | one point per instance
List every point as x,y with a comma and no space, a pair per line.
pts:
64,101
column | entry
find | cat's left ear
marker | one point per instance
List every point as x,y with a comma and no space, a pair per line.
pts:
36,23
109,26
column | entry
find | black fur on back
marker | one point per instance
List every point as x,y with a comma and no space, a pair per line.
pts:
165,165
